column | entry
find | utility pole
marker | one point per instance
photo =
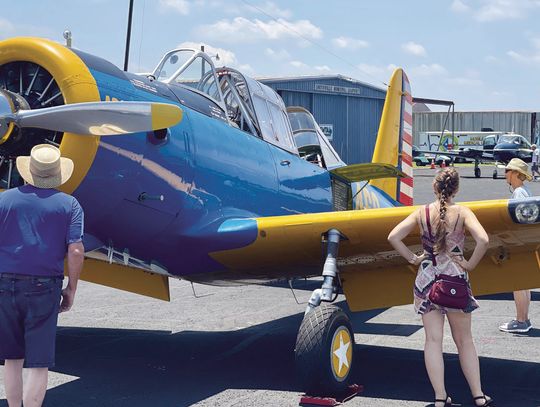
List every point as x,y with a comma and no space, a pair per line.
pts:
128,36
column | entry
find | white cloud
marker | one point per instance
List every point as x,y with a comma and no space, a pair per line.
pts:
226,57
323,68
413,48
533,57
529,56
459,6
299,64
180,6
241,29
350,43
428,70
496,10
277,55
491,59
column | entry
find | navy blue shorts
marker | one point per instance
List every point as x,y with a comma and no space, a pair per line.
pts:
28,319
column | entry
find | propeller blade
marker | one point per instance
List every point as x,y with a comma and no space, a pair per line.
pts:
102,118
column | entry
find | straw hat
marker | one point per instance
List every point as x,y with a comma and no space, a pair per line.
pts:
520,166
45,168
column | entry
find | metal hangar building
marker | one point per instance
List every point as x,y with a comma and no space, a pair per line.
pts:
348,111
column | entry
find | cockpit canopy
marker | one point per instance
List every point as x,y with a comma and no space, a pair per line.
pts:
516,139
248,105
313,146
192,68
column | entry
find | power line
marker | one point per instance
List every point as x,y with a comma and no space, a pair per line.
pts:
312,42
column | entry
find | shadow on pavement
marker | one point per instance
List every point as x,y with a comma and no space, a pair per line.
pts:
535,296
125,367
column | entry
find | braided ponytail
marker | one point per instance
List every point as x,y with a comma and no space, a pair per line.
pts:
446,185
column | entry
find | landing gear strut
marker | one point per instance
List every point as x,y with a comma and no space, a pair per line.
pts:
324,348
477,172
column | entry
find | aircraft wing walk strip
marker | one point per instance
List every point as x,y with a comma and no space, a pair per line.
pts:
373,275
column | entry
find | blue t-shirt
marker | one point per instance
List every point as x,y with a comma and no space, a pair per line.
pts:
36,226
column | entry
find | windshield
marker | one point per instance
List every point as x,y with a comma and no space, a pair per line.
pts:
191,68
509,139
300,121
172,62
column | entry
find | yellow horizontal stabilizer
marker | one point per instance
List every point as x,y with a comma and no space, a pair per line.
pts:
126,278
367,171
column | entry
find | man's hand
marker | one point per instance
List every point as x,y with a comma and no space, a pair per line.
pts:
68,296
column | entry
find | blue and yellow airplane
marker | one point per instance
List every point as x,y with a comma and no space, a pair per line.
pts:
202,174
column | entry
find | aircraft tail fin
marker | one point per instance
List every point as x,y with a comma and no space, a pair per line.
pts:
394,140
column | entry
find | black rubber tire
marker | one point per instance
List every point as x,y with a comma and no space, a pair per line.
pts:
477,172
313,351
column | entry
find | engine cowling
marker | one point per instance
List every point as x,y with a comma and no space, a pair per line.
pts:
45,73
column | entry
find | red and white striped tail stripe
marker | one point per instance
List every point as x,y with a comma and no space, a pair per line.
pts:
406,184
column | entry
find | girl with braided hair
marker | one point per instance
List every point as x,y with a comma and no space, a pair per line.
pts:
442,224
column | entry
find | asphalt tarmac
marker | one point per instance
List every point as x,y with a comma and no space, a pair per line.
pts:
234,346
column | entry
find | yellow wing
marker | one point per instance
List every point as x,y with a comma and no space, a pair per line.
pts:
373,275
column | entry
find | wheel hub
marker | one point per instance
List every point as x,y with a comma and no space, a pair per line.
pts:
341,353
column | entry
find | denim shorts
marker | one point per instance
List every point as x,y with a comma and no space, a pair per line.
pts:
28,318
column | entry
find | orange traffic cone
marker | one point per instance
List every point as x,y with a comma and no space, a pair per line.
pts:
432,164
443,164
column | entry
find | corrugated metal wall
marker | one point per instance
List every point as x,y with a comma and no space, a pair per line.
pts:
353,108
523,123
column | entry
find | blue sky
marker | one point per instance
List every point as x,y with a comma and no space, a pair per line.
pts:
482,54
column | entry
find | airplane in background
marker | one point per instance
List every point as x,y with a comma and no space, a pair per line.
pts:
202,174
496,148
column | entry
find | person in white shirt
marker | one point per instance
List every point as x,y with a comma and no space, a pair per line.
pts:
516,172
535,161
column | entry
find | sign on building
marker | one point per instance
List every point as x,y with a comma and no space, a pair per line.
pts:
328,130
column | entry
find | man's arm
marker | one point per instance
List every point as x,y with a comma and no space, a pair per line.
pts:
75,258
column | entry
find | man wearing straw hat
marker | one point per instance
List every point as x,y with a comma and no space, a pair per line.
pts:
516,172
39,226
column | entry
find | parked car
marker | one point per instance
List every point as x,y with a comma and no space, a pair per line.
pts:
419,158
422,159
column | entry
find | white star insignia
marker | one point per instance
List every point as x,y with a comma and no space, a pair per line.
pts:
341,352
